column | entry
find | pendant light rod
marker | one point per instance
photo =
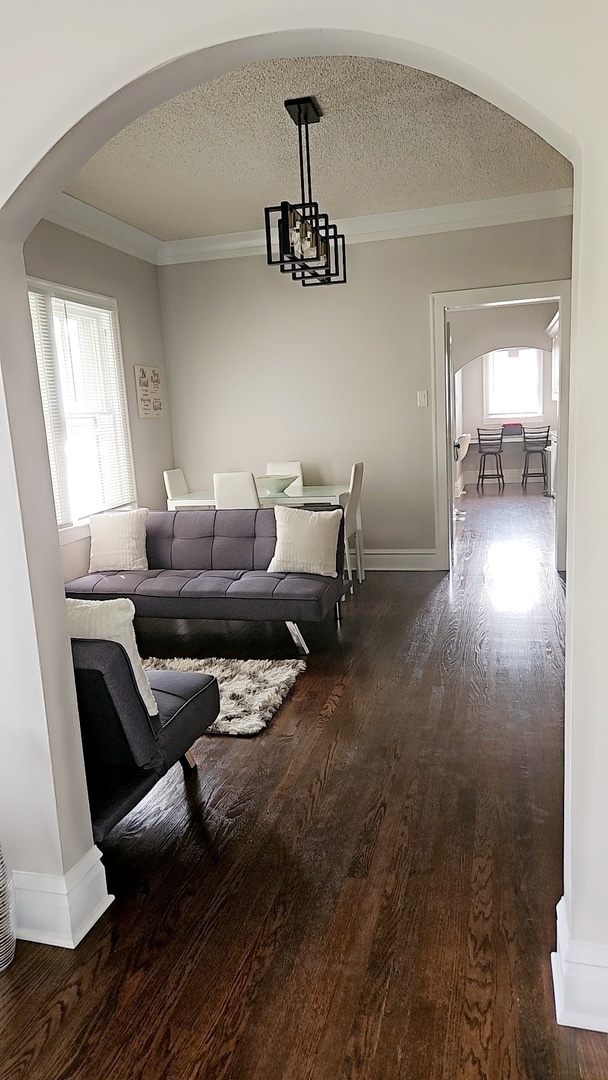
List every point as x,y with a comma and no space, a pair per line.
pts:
304,111
301,126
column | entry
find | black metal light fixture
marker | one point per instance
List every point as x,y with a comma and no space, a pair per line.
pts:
306,244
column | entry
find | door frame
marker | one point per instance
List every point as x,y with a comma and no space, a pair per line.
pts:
469,299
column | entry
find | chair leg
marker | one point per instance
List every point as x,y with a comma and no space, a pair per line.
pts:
496,475
543,474
501,475
359,553
294,630
188,762
338,613
480,472
348,561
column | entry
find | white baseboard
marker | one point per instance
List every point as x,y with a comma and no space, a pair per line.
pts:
400,559
60,910
580,979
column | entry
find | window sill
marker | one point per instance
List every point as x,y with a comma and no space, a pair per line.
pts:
521,418
73,533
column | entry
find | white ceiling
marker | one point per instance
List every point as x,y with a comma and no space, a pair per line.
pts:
392,138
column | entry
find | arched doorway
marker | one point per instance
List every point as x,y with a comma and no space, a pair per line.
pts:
28,490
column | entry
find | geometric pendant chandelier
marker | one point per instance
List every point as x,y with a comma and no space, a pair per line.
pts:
300,240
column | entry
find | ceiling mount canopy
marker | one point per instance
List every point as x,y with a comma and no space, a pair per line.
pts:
300,240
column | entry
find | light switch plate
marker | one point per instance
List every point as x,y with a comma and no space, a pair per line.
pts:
422,397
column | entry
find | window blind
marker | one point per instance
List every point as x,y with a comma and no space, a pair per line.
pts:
84,401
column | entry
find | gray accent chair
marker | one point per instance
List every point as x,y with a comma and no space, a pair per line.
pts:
127,751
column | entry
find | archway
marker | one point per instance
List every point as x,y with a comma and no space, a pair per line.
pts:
21,433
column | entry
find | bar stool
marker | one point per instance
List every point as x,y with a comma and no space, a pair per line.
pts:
536,441
489,445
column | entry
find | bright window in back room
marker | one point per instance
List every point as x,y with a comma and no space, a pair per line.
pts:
513,383
81,375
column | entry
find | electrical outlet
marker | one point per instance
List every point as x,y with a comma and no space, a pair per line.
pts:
422,397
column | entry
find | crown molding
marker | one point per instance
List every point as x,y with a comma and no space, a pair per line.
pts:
96,225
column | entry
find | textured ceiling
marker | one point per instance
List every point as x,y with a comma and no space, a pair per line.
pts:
391,138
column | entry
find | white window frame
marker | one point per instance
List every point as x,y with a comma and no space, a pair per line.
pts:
553,332
99,412
491,414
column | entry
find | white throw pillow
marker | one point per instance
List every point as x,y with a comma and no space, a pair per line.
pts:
306,541
118,541
112,620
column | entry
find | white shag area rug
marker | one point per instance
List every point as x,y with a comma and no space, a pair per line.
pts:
250,690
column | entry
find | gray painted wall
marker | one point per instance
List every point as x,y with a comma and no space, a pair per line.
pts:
258,368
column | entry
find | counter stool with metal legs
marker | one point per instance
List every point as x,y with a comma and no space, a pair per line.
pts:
489,445
536,441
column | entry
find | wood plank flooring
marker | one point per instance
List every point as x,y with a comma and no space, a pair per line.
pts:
366,890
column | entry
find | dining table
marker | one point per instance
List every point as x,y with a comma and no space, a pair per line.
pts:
333,494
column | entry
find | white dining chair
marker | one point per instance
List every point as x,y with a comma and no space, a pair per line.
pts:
287,468
235,491
352,524
175,483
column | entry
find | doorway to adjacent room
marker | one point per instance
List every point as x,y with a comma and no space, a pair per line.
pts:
469,325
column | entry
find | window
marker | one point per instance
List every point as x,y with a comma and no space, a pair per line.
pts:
81,376
513,380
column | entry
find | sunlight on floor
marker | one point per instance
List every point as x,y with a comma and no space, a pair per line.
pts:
512,575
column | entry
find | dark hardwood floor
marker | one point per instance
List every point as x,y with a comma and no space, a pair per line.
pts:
365,891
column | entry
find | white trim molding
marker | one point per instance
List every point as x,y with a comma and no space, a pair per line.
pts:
400,559
97,225
580,979
467,300
88,221
59,910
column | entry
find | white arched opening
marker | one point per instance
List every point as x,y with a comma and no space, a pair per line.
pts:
61,886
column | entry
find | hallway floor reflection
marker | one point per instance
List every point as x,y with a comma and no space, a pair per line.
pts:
509,540
512,575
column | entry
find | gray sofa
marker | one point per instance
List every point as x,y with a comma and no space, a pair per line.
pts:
212,564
